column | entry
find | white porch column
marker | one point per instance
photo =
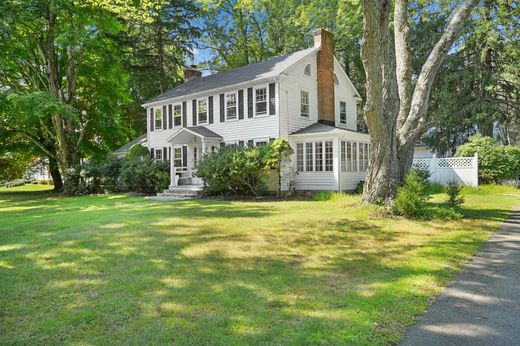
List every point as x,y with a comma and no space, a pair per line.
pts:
203,151
173,181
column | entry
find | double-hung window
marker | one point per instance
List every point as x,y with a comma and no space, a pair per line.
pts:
354,157
231,106
261,101
177,115
349,157
158,154
304,103
343,157
177,157
158,119
328,157
309,157
203,111
342,112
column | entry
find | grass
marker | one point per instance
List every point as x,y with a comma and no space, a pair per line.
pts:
114,269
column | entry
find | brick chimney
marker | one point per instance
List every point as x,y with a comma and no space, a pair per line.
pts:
324,39
191,73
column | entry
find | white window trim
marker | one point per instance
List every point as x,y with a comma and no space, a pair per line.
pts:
156,151
173,114
226,108
207,110
305,67
308,116
313,142
266,87
261,140
155,118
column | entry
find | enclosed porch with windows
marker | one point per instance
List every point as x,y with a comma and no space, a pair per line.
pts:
327,158
188,145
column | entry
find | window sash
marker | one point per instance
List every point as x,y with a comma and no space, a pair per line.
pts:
342,112
354,157
177,157
299,157
318,156
158,119
177,115
261,101
304,103
231,106
202,107
309,157
329,157
158,154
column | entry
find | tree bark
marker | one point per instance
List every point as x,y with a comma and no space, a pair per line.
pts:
395,109
55,174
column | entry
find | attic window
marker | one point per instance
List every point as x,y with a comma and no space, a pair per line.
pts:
336,79
307,70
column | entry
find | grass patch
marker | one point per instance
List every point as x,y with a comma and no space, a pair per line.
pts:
114,269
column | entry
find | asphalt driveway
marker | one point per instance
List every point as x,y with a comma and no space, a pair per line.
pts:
482,305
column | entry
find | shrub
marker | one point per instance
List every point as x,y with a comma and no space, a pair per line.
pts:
495,161
453,190
359,188
423,173
14,183
441,212
412,197
138,151
144,175
234,171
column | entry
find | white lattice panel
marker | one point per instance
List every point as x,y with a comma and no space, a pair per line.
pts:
422,163
455,162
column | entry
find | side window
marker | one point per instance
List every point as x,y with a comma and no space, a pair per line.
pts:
304,103
231,106
202,111
309,157
261,101
342,112
177,157
307,70
158,154
299,157
329,166
177,115
158,119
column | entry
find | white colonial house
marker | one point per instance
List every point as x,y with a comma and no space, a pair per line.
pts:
305,97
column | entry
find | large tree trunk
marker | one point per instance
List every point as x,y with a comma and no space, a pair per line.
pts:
55,174
395,108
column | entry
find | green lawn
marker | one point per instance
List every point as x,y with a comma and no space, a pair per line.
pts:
126,270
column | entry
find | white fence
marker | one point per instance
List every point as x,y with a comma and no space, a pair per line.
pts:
443,170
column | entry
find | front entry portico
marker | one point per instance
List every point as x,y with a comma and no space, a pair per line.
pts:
188,145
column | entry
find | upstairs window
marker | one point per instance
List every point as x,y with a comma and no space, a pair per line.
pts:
158,119
307,70
342,112
231,106
203,111
304,103
261,101
177,115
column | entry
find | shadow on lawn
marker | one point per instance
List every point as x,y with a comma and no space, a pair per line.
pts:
179,280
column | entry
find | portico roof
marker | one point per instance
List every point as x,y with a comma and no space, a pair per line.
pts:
199,131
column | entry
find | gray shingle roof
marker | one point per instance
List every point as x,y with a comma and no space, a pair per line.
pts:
319,128
204,132
261,70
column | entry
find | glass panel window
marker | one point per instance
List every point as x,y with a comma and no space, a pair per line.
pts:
261,101
231,106
158,154
361,157
349,156
177,157
158,119
309,158
260,143
343,157
304,103
203,111
177,115
329,162
354,157
250,143
241,144
299,157
365,155
318,154
342,112
195,156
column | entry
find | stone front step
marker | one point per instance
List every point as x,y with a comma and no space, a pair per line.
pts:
182,191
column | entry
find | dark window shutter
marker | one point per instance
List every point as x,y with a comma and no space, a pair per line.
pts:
165,154
170,116
164,118
272,103
210,109
152,154
184,156
222,115
194,111
184,114
151,119
249,102
241,104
